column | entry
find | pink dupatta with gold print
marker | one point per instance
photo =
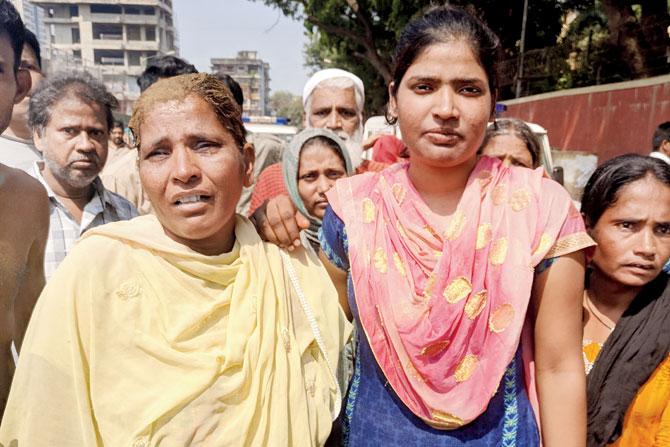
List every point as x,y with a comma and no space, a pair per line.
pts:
443,308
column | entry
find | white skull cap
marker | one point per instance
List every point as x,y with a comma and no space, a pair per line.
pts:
330,73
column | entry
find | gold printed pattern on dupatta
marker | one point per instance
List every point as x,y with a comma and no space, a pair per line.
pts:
369,211
499,194
484,178
456,225
398,264
520,199
475,304
466,367
434,349
430,285
484,236
399,192
401,229
457,290
445,420
432,232
501,318
128,289
381,261
498,251
412,372
544,245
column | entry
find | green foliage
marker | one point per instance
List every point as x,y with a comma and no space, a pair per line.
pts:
568,42
287,105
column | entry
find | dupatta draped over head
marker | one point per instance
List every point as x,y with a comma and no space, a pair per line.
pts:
443,308
291,166
138,340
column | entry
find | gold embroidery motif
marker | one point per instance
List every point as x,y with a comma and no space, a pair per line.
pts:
438,254
457,290
520,199
369,211
501,318
484,175
430,284
475,304
127,290
498,251
399,192
570,244
456,225
381,261
499,194
446,420
400,229
398,264
434,348
544,245
466,367
484,235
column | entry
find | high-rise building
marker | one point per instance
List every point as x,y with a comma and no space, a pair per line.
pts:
253,75
112,39
33,19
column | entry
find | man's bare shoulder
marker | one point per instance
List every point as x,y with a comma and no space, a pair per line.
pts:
21,196
14,181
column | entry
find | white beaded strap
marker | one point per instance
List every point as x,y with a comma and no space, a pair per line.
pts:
293,277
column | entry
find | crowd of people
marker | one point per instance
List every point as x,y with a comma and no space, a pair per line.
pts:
195,284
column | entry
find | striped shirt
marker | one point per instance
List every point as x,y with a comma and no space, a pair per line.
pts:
104,207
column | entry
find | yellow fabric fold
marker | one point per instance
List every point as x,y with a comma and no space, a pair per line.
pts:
138,340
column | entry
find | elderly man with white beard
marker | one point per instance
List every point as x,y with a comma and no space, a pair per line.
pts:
71,116
332,99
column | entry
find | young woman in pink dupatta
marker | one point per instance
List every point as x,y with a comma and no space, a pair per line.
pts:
443,257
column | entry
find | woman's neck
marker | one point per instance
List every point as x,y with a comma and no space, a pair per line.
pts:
441,188
611,298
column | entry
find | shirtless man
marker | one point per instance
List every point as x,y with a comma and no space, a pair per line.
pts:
24,211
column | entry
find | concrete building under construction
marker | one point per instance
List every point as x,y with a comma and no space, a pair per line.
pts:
114,39
253,75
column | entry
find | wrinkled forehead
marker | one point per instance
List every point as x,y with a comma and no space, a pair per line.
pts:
326,96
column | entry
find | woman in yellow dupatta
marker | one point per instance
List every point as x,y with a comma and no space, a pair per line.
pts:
181,328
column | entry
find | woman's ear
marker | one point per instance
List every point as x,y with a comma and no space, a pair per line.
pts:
249,157
393,105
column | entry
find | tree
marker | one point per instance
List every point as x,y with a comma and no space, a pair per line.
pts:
360,36
287,105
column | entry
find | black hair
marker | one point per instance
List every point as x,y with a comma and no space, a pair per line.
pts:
12,25
116,124
661,134
601,191
31,41
516,127
163,67
53,89
233,86
442,24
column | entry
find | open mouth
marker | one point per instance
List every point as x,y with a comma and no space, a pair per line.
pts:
194,198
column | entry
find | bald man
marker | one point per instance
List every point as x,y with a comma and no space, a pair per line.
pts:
24,211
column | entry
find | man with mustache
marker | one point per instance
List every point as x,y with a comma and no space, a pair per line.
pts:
71,116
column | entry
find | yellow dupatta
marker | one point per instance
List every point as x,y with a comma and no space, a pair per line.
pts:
137,340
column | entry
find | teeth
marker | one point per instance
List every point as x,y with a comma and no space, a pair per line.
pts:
189,199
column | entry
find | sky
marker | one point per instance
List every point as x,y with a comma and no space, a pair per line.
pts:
221,28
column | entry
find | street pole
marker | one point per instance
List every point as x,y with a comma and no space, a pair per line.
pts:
522,48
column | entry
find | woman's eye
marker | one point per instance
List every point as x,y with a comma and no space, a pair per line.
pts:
625,225
308,177
663,229
422,88
335,174
471,90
